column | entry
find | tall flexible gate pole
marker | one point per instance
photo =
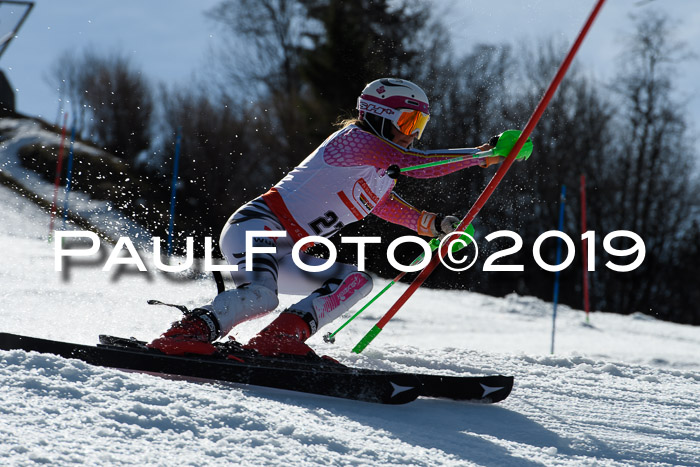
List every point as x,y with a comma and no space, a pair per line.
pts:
57,179
555,300
173,190
584,229
486,194
69,177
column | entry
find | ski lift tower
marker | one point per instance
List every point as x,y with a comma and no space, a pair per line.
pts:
12,15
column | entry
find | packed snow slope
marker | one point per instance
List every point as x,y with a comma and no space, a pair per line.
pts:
624,390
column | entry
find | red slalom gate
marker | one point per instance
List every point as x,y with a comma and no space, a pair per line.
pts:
486,194
57,180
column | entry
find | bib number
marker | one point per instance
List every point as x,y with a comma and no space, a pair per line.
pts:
326,224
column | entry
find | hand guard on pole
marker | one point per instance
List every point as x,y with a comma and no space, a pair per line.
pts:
503,143
436,225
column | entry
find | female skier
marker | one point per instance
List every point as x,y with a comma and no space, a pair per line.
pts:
342,181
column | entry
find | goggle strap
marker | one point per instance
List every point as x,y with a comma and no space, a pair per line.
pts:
374,108
379,110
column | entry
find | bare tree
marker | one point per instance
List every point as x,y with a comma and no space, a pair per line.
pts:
111,101
570,139
223,162
654,165
259,62
261,43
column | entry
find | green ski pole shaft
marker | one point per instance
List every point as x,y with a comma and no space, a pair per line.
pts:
330,337
377,328
502,147
394,170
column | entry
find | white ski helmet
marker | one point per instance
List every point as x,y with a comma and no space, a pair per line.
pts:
398,101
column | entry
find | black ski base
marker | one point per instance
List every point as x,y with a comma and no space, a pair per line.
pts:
310,375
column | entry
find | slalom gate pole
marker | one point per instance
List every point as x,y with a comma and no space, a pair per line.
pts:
584,249
173,190
69,176
57,179
555,300
488,191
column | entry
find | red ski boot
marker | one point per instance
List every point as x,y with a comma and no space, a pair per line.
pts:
192,334
285,335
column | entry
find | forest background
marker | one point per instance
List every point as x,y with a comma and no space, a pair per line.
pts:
289,70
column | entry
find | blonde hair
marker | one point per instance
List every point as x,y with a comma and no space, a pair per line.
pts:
343,122
358,122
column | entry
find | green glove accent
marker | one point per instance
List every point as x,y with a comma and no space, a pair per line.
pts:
455,246
506,141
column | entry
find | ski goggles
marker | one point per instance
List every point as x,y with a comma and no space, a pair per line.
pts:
407,121
411,121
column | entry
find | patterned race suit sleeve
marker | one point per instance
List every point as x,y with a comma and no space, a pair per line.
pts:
357,147
393,209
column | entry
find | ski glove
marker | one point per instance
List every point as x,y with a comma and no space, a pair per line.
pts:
504,142
433,225
488,161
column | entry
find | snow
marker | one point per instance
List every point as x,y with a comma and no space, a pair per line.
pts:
22,132
622,390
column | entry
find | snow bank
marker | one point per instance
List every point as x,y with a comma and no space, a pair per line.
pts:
622,391
619,391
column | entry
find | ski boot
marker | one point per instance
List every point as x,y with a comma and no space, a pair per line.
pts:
287,334
200,327
193,334
284,336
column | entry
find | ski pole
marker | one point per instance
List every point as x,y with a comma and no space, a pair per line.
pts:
488,191
330,337
173,190
394,170
434,244
502,147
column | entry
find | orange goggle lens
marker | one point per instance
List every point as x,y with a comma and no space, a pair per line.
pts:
412,121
